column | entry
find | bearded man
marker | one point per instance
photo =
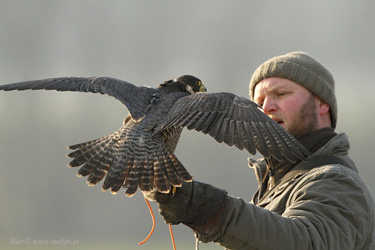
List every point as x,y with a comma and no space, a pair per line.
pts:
322,203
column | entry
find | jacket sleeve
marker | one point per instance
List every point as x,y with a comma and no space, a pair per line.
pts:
326,210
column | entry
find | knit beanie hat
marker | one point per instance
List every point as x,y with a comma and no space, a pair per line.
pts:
300,68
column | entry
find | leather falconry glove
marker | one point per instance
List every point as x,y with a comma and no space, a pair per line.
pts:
195,204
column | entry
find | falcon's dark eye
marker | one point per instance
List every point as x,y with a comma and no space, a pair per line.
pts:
199,83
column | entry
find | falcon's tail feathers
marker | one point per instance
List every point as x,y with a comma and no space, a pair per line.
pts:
157,172
106,157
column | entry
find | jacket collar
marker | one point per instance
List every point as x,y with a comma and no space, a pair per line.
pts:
334,144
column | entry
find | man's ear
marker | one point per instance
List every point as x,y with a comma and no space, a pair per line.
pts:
323,107
324,113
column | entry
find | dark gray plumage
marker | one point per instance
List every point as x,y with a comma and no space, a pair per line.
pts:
141,153
236,121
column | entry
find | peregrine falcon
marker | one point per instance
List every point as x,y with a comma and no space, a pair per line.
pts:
141,153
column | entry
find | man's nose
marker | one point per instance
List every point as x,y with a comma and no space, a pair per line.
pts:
269,106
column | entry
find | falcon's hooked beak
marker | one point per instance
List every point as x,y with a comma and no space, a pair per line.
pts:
202,88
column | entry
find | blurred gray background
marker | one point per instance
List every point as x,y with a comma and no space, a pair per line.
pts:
147,42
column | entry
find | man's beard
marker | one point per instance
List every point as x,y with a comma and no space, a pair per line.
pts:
306,120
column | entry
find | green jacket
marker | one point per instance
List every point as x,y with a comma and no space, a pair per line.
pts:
327,207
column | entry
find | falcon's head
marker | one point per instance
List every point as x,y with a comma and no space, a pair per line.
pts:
185,83
193,84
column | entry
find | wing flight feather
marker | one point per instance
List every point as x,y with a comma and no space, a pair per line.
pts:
134,98
235,121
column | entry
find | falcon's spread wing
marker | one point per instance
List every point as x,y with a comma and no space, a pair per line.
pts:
134,98
235,121
133,156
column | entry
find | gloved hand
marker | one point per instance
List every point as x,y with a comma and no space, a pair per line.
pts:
195,204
